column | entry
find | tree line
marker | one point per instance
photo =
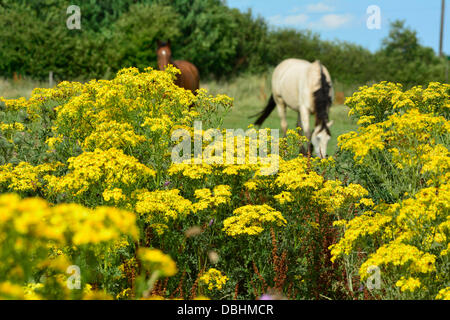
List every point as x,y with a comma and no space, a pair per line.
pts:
221,41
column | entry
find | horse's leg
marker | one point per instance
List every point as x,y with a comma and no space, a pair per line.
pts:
303,123
303,118
299,123
281,107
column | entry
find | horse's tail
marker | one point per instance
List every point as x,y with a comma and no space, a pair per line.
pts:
266,112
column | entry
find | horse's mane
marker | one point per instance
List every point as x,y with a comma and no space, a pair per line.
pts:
321,102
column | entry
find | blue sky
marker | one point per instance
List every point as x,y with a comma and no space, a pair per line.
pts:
347,19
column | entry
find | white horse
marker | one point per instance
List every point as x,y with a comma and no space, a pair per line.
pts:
306,88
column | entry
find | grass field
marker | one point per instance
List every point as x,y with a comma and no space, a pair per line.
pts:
21,88
250,93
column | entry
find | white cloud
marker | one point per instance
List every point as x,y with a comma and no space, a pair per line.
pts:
319,7
332,21
328,21
296,19
291,20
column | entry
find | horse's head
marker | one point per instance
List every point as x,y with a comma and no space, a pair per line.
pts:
320,137
323,98
164,54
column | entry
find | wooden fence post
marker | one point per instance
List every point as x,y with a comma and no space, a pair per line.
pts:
50,79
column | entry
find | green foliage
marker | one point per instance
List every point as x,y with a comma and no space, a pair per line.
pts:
135,33
405,60
33,44
219,40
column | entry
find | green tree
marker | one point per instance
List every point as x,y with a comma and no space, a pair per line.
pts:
34,40
219,40
403,59
135,34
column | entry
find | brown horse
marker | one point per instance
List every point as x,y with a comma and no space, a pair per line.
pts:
189,78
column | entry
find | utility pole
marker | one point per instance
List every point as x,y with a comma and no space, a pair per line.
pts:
441,38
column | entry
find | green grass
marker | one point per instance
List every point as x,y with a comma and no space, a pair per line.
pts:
251,94
10,89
